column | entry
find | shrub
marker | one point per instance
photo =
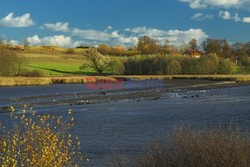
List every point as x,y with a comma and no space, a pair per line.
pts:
70,51
34,73
200,148
9,63
174,67
246,61
36,141
225,67
244,69
118,67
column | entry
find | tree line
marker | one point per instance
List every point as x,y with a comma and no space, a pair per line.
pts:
238,52
172,65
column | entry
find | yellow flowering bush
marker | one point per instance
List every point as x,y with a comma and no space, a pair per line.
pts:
39,141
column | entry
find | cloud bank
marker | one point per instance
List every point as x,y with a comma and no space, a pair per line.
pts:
57,40
127,37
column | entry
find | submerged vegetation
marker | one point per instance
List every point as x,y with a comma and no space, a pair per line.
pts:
35,141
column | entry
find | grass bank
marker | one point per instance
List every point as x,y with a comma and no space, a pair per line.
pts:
25,81
236,78
31,81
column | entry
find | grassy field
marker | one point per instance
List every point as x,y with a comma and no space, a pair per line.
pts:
56,64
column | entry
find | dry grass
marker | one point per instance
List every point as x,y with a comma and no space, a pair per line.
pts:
237,78
38,141
76,79
196,148
50,50
18,81
24,81
27,81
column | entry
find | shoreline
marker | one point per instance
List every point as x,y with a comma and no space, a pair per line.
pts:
114,96
39,81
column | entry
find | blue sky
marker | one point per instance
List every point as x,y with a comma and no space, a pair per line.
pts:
120,22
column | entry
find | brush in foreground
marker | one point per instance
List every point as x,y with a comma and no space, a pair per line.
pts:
195,148
38,141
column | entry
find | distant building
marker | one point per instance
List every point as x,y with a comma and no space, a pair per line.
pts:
194,54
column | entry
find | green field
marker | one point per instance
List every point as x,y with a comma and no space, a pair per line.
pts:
56,65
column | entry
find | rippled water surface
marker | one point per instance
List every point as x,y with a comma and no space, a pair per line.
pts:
126,125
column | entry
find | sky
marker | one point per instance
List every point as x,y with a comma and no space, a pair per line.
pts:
67,23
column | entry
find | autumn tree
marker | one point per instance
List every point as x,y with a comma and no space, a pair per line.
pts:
103,49
147,46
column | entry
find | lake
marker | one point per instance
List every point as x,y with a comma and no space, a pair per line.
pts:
124,126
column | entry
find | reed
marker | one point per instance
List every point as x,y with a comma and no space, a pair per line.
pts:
30,81
208,147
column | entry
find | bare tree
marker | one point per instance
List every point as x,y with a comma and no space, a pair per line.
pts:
26,44
193,45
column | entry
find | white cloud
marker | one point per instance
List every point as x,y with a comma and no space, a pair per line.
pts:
127,37
60,26
94,37
113,38
201,16
175,37
225,15
91,34
246,19
195,4
13,42
228,16
20,21
109,27
201,4
35,40
57,40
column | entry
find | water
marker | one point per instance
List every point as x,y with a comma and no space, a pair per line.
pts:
125,126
